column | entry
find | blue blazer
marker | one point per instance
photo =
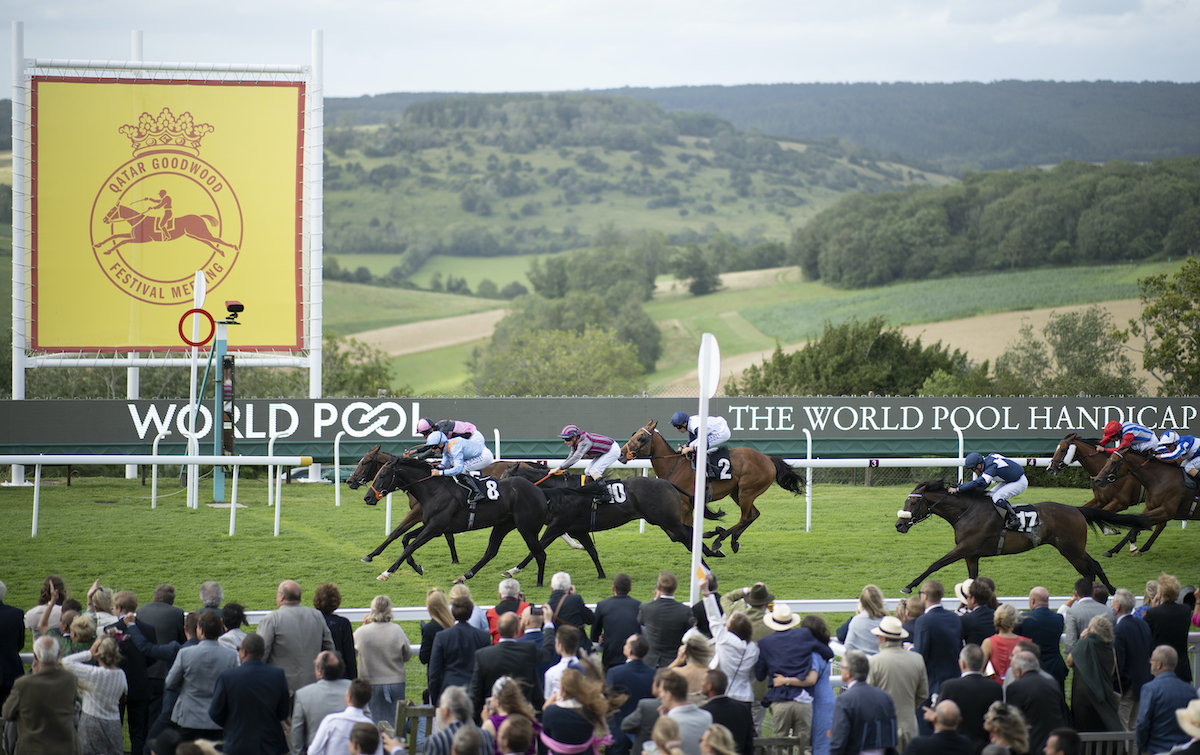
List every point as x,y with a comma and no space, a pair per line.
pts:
864,718
1132,644
249,701
938,640
616,620
453,659
1045,627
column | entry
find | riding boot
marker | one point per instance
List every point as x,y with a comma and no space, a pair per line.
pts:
1011,521
472,482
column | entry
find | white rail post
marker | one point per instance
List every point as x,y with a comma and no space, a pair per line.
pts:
808,484
270,472
961,448
233,502
387,525
278,506
496,433
18,227
37,489
337,468
154,470
642,522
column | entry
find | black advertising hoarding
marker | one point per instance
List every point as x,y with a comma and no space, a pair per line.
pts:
529,427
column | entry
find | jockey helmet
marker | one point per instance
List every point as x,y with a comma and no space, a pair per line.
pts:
1169,438
973,460
424,426
1112,429
570,431
679,419
436,438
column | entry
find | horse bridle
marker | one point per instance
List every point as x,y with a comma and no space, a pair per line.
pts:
629,454
1113,476
913,521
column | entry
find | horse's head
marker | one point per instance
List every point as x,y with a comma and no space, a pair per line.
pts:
397,474
114,214
639,443
1116,462
918,505
367,467
1063,456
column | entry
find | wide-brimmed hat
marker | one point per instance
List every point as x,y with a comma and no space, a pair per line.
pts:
962,590
781,618
758,596
1189,718
890,629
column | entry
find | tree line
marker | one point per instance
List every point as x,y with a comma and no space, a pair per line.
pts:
1073,214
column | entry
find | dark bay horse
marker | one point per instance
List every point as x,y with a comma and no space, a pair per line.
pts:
657,501
1126,491
749,475
977,529
365,472
514,503
1167,496
142,230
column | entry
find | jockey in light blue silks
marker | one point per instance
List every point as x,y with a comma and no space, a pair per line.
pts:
459,457
995,468
718,432
599,448
1184,451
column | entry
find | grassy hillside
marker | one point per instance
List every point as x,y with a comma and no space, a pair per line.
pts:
351,308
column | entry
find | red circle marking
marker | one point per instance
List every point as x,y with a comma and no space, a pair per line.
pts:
211,323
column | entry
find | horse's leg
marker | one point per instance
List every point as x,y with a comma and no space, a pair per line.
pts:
960,551
410,520
590,546
972,566
126,239
126,236
453,550
426,534
1146,548
1130,537
552,531
1087,566
749,514
499,531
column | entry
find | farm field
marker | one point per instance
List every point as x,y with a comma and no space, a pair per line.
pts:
438,371
499,270
104,527
352,308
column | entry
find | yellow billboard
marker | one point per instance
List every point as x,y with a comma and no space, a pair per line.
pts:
138,185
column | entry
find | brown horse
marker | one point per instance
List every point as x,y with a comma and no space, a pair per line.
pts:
142,230
1126,492
750,473
1167,494
369,466
978,529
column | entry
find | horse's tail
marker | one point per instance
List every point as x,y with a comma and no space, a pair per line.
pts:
709,511
210,219
1131,521
787,477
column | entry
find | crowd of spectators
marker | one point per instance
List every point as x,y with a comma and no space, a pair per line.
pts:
630,677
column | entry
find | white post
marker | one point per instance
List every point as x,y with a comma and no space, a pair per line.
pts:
961,460
233,502
133,373
314,143
495,432
337,468
278,506
642,522
200,289
387,522
709,370
18,226
37,489
270,472
808,485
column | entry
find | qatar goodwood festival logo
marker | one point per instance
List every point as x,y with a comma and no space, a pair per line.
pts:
166,213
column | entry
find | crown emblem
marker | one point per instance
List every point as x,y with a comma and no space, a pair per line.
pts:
167,130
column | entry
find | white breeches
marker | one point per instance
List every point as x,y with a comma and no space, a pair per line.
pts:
1009,489
597,466
481,461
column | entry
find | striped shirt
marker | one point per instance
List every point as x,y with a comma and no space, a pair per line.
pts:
108,684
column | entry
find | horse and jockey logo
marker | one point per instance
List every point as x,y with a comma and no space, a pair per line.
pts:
166,213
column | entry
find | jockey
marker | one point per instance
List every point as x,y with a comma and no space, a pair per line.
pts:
996,468
1132,435
599,448
453,428
1184,451
718,432
460,456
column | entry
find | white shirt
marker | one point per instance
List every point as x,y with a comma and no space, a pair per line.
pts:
554,676
333,735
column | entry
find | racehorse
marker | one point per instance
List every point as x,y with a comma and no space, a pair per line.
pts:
657,501
746,477
142,230
1167,496
514,503
979,531
365,472
1127,492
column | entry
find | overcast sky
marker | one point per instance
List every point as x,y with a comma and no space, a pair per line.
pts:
379,46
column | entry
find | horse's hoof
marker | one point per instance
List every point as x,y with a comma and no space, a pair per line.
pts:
718,553
367,559
906,590
420,570
1108,554
1136,552
384,576
511,573
572,542
460,580
735,546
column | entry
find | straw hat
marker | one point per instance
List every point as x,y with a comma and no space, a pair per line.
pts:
962,590
890,629
781,618
1189,718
